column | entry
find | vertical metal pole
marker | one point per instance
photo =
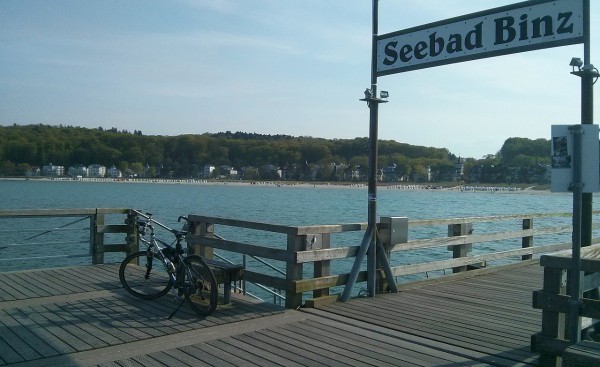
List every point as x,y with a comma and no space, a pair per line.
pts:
575,301
582,235
587,117
582,202
369,243
373,149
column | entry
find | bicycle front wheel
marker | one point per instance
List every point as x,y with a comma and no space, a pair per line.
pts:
144,276
201,285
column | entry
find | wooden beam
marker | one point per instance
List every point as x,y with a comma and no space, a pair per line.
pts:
113,228
243,248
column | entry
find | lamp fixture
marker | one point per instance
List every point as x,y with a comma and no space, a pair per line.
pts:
576,62
371,97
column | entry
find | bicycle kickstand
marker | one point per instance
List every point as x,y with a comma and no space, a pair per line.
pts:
177,309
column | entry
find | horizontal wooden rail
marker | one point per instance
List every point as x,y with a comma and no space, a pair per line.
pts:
24,213
242,248
495,218
290,230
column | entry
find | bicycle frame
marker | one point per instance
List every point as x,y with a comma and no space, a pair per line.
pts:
189,277
173,264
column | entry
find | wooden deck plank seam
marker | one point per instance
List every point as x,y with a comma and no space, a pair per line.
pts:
500,319
449,308
444,336
341,322
493,327
354,343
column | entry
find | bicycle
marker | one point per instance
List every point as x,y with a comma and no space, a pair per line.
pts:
151,273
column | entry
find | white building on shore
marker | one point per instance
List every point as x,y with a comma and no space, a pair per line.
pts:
78,170
52,170
114,172
96,170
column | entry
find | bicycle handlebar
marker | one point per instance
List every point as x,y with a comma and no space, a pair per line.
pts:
148,216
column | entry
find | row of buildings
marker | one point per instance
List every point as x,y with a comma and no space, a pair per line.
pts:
98,170
335,171
310,172
93,170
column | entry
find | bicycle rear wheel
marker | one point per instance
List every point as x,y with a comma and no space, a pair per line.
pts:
144,276
201,288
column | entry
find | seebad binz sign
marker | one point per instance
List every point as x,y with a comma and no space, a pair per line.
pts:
514,28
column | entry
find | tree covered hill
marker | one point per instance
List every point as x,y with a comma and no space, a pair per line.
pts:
24,147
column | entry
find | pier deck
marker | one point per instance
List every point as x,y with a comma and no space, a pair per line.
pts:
81,316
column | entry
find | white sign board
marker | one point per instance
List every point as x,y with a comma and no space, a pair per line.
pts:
514,28
562,158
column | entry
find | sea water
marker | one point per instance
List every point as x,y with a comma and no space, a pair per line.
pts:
280,204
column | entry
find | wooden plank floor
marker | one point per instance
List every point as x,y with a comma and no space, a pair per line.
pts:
81,317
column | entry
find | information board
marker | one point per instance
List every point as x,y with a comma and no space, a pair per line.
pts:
562,158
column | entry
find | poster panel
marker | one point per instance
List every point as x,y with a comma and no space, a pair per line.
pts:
562,158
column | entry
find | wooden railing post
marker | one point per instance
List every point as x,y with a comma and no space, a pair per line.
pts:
553,322
322,268
460,229
96,238
131,239
527,241
293,271
204,230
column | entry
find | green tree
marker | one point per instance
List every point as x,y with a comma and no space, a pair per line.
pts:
137,168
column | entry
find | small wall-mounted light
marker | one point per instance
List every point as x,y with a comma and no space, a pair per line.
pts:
371,97
586,71
576,62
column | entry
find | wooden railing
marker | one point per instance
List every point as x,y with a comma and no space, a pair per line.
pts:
313,244
317,258
95,232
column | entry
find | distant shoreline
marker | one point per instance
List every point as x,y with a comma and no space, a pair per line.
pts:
387,186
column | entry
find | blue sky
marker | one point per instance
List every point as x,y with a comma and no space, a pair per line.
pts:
271,67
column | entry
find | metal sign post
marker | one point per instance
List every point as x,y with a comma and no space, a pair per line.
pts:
582,201
370,243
